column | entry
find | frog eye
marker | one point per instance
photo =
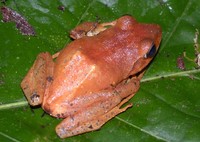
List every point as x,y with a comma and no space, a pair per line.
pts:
151,52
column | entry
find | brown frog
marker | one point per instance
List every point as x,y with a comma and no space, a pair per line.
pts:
88,81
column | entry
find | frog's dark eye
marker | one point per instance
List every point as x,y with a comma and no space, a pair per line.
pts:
151,52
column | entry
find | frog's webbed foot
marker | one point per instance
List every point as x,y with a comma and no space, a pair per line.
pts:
89,29
35,82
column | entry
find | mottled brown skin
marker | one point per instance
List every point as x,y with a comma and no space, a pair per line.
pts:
94,75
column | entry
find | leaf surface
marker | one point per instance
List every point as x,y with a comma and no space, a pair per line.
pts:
167,106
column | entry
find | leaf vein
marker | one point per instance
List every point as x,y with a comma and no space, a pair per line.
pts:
172,74
169,35
142,130
9,137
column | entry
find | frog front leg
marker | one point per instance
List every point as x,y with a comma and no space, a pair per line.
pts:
89,29
37,79
102,111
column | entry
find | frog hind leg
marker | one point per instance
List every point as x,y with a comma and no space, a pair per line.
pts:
37,78
94,124
67,129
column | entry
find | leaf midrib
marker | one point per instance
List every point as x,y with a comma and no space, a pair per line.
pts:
148,79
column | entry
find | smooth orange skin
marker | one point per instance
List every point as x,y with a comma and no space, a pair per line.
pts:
90,65
113,52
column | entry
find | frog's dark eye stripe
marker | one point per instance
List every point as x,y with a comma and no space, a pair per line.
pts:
151,52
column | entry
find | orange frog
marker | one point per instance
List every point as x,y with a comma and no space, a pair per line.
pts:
88,81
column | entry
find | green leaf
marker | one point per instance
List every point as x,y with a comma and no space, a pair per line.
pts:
167,106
